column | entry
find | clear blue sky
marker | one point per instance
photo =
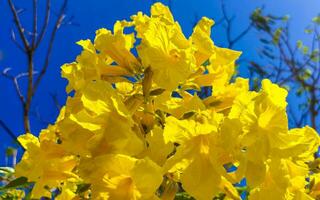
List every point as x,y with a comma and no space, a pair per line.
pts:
95,14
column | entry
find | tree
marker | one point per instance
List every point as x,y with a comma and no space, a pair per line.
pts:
291,64
29,43
133,126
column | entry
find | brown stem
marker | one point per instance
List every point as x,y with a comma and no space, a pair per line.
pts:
27,104
313,110
51,41
10,133
18,24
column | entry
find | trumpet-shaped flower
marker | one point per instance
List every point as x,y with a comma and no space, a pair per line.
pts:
164,48
198,154
121,177
45,163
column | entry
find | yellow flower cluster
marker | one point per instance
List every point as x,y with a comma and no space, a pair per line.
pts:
134,128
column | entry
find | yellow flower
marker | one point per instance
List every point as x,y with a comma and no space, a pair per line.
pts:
222,97
177,106
202,41
121,177
265,128
45,163
198,154
222,66
135,127
99,113
164,48
315,185
117,46
89,66
68,191
284,180
300,144
157,150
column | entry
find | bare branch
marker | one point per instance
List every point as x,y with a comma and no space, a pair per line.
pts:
243,33
18,25
58,23
10,133
35,22
45,24
229,23
16,84
13,38
55,101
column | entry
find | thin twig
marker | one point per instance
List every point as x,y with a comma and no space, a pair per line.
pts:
58,23
45,24
35,23
229,24
18,25
10,133
16,85
13,38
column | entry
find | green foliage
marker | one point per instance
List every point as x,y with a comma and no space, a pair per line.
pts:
20,182
183,196
316,20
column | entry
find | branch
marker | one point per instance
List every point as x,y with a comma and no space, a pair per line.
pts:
45,24
58,23
228,27
16,84
35,22
55,101
243,33
10,133
13,38
18,25
229,23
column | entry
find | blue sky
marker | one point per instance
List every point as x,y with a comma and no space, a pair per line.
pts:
94,14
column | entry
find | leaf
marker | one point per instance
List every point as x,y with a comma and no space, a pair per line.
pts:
183,196
315,55
82,188
156,92
265,41
6,170
299,44
316,19
215,103
305,49
276,36
16,183
188,115
308,31
285,18
11,151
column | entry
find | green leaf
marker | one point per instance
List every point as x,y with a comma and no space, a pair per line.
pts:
316,19
183,196
299,44
305,49
10,151
287,87
188,115
276,36
82,188
6,170
16,183
308,31
285,18
315,55
156,92
300,91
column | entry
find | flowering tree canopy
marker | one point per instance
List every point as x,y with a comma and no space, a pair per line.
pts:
134,127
